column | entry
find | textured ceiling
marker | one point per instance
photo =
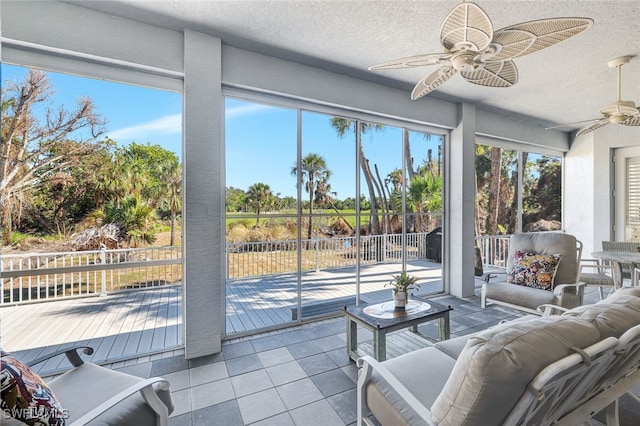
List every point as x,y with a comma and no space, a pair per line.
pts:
565,83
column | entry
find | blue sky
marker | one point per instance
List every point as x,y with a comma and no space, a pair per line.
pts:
260,139
133,113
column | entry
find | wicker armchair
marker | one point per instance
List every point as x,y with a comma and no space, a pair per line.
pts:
595,272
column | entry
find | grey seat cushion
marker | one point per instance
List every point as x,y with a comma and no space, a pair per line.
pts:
453,347
424,373
520,295
495,367
87,386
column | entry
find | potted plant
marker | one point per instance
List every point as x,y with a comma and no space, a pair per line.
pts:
401,284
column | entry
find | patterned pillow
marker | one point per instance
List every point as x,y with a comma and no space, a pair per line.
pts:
534,270
25,397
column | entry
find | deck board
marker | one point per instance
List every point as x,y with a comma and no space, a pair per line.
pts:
131,323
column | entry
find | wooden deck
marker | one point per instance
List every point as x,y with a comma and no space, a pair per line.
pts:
131,324
265,301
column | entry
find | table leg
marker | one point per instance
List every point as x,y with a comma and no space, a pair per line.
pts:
352,337
379,345
444,327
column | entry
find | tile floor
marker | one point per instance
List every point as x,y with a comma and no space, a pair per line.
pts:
295,376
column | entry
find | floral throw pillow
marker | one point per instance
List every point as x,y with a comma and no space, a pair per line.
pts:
25,396
534,270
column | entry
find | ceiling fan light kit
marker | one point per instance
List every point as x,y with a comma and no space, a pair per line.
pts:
482,56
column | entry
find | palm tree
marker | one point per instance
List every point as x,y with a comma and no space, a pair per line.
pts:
259,195
342,125
132,215
424,195
314,173
324,197
167,189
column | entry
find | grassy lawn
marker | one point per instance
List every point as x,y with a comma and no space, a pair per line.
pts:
326,215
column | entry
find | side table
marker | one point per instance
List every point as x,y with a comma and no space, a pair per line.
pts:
383,318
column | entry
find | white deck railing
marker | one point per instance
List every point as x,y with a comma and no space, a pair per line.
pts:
49,276
276,257
494,249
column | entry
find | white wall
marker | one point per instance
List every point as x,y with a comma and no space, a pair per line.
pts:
588,183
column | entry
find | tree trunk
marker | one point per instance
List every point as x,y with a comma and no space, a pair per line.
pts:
385,218
494,191
407,155
368,177
172,241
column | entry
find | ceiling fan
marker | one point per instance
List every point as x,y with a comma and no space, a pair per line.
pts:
619,112
482,56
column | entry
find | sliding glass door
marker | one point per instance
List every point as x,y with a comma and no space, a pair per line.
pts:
321,211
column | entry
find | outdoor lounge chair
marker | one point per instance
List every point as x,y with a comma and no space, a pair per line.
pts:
91,394
542,269
556,370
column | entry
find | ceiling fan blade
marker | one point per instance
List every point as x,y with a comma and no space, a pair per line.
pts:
573,122
467,25
603,122
432,81
413,61
493,74
632,121
528,37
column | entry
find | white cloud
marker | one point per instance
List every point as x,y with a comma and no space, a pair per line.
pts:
170,124
241,111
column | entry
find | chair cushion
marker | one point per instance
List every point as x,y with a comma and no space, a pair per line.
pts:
423,372
548,243
495,367
26,397
533,269
520,295
98,384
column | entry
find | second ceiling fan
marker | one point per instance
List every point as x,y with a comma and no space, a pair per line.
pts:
482,56
619,112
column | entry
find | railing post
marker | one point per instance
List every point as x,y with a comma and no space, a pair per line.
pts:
103,259
384,247
317,241
226,249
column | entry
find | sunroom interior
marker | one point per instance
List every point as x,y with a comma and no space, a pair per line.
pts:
311,59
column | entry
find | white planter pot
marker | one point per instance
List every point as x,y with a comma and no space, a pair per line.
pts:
400,298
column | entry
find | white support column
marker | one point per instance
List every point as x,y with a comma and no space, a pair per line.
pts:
459,229
203,162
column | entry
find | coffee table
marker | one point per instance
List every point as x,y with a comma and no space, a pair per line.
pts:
383,318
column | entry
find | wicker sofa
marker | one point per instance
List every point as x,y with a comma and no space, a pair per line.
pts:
559,369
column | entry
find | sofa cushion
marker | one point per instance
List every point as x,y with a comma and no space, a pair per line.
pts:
495,367
612,317
533,269
26,397
452,347
626,292
424,373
